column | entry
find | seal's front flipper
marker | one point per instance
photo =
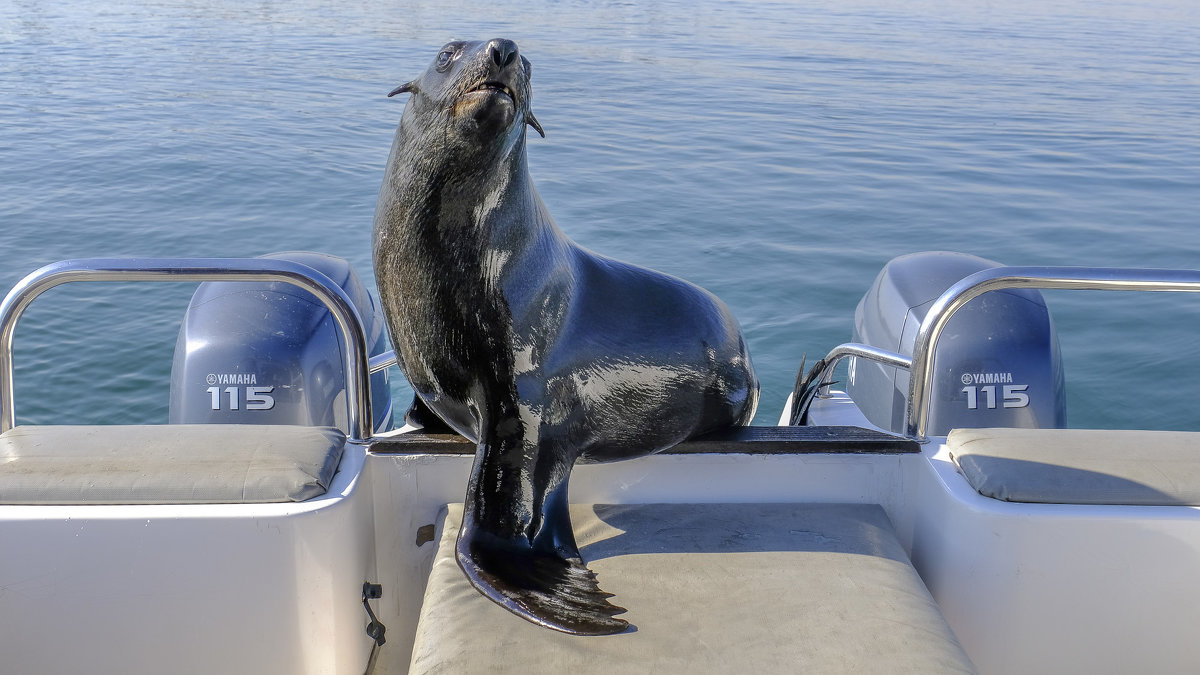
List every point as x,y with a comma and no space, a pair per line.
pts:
537,585
516,544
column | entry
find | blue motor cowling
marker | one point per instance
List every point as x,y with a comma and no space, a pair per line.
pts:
996,365
270,353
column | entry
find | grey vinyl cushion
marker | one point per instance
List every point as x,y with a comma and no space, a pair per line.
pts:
167,464
711,588
1081,466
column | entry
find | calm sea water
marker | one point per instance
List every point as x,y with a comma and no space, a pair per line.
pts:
777,153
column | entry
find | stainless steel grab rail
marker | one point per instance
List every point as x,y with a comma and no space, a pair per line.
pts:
858,350
1072,278
382,361
358,397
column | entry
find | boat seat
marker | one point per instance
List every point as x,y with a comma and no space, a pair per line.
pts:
1080,466
710,588
167,464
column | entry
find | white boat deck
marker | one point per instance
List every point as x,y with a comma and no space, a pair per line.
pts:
277,587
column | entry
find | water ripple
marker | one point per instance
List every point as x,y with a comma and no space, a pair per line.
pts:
778,153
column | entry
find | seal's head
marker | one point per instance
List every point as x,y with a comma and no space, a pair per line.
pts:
477,91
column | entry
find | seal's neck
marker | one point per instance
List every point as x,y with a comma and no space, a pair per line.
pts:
461,202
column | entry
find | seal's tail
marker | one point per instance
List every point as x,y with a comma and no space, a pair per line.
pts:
536,585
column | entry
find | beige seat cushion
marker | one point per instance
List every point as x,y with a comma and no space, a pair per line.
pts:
711,588
1080,466
167,464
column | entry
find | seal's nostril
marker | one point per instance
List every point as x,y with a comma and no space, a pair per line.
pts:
503,52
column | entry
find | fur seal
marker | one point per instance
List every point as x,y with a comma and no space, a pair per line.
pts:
539,351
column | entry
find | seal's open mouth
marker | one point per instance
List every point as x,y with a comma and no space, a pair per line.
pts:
492,85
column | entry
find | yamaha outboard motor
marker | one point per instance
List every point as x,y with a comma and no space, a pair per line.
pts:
996,365
270,353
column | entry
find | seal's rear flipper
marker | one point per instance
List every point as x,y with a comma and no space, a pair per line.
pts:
420,415
538,586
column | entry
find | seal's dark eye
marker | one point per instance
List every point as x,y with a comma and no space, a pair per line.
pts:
444,58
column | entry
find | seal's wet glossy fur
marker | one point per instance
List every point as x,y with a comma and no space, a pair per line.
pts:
536,349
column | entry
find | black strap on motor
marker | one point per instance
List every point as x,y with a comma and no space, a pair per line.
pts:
375,629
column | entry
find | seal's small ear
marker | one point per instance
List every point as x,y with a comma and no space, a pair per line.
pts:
532,121
406,87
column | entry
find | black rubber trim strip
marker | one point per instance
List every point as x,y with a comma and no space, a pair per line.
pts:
740,440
